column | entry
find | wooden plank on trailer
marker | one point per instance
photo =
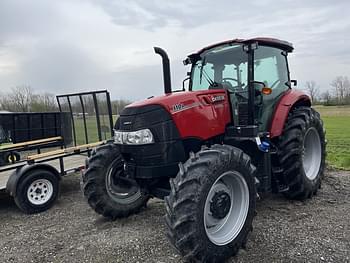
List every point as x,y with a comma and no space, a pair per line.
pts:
30,143
64,151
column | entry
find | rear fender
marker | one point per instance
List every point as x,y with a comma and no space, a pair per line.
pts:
290,100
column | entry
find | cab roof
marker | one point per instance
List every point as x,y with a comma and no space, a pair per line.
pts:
266,41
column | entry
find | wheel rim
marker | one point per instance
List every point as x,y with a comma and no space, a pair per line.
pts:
40,191
312,153
122,190
223,225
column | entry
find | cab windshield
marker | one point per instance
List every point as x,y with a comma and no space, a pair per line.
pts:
224,67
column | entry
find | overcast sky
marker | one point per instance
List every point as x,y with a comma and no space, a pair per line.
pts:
74,45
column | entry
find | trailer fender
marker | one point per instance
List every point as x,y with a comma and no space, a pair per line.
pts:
290,100
20,172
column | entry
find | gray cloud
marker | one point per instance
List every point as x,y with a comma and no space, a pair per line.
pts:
27,18
74,45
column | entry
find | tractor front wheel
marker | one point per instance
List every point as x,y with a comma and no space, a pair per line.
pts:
107,188
210,209
302,152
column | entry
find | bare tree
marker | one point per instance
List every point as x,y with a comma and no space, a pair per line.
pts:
341,86
21,98
326,97
312,90
119,105
5,102
43,102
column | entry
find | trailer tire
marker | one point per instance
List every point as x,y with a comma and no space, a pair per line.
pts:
211,206
102,194
36,191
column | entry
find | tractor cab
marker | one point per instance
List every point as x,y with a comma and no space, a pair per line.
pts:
254,73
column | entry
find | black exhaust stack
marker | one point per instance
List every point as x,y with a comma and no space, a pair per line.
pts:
166,68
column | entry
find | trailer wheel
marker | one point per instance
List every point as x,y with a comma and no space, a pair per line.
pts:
210,209
302,153
108,191
36,191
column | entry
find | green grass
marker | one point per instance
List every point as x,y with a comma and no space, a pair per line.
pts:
337,123
92,129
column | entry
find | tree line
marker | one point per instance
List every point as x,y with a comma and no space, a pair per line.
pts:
24,99
339,94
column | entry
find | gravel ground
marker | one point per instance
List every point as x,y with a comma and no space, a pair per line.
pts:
317,230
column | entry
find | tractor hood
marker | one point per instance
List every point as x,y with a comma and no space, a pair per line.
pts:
201,114
180,101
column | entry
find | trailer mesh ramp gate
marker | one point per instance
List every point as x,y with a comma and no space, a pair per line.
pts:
91,115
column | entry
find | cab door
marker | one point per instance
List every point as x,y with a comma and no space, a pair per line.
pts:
271,68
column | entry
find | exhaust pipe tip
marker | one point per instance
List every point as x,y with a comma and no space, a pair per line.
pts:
166,68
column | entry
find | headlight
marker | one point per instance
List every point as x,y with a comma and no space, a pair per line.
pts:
144,136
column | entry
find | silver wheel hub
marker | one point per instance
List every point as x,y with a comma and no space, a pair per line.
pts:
40,191
312,153
226,208
121,189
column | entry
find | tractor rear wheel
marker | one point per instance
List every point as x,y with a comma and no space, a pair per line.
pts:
108,190
211,206
302,152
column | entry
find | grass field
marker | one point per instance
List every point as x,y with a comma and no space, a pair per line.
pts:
337,123
91,125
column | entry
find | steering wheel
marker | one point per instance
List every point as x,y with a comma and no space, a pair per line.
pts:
225,79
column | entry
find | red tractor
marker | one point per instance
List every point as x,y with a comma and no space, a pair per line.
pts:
239,130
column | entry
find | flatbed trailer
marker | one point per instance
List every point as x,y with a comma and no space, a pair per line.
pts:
72,163
33,180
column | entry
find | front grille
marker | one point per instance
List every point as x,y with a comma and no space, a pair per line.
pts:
167,146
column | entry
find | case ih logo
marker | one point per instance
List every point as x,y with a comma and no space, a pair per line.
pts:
217,98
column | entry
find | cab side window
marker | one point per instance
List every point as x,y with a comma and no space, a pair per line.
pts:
270,67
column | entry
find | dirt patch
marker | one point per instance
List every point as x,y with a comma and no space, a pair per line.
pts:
317,230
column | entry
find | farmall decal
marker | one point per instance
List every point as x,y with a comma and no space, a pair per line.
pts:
178,107
182,106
